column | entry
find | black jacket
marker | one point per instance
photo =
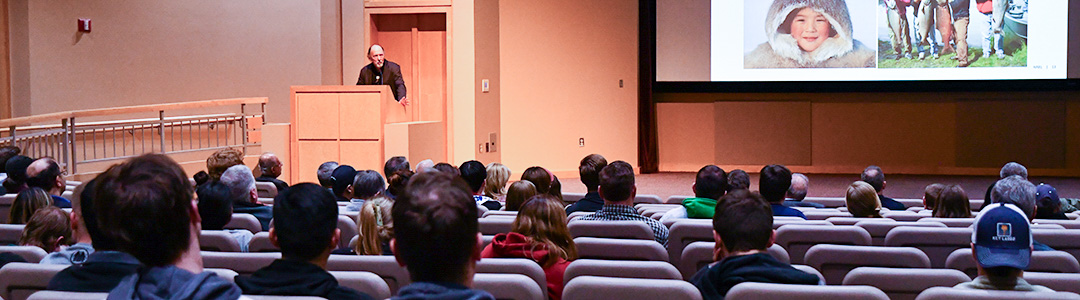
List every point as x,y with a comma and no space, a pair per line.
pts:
295,278
102,271
715,281
389,75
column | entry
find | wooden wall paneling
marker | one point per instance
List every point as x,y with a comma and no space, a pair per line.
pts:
993,132
360,116
888,134
362,155
1072,135
5,62
686,134
311,155
431,65
763,133
317,116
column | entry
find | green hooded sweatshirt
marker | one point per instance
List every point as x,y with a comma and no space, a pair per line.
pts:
699,208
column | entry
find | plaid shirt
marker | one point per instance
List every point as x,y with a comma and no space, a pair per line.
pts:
616,212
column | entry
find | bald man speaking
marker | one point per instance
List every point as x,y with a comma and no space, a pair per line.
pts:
381,71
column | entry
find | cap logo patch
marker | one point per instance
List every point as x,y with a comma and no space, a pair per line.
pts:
1004,232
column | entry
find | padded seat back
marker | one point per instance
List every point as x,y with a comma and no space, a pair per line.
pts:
261,243
951,222
1041,261
364,282
697,255
620,249
611,229
835,261
594,287
904,283
824,214
878,229
520,266
266,189
10,233
621,269
797,239
773,291
937,243
493,226
58,295
347,225
32,254
218,240
1060,282
509,286
948,293
385,266
684,232
244,221
242,263
19,280
1060,239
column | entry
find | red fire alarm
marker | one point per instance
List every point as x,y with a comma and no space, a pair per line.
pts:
84,25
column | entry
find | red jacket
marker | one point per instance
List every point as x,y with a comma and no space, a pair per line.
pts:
515,245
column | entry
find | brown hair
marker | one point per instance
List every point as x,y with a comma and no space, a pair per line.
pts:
953,203
26,203
743,220
374,225
221,160
862,200
543,220
518,193
539,178
47,229
932,194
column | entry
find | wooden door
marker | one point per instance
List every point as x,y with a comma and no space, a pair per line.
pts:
417,42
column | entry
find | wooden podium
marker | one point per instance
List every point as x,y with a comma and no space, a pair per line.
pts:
350,125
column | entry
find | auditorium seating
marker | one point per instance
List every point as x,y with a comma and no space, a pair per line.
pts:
621,269
19,280
31,254
499,213
620,249
218,240
493,226
244,221
772,291
824,214
365,282
347,226
242,263
852,220
572,197
647,198
797,239
937,243
830,202
386,267
676,199
611,229
1060,239
1041,261
509,286
810,270
1068,224
879,229
904,216
780,223
5,207
835,261
1060,282
904,283
945,293
595,287
687,231
699,254
266,189
951,222
261,243
520,266
10,233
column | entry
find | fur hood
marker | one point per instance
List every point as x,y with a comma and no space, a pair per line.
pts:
784,45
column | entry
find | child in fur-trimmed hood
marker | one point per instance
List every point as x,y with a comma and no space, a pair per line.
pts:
809,34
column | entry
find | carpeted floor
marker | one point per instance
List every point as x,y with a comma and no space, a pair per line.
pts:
832,185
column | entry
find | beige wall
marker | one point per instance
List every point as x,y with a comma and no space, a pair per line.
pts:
487,67
923,133
560,66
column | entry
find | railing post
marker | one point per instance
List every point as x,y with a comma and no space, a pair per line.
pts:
13,140
161,129
71,143
243,127
64,146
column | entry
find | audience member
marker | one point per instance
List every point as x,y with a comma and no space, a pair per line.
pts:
216,209
343,179
742,228
396,182
876,178
1001,244
305,228
244,196
555,190
426,165
394,164
932,195
495,185
106,266
270,167
144,207
1017,190
800,185
45,174
538,233
618,189
366,185
376,227
1009,169
953,203
325,171
540,178
437,238
221,160
475,174
738,179
862,200
49,229
589,171
774,182
200,177
518,193
1048,203
6,152
447,168
26,203
83,247
15,168
710,184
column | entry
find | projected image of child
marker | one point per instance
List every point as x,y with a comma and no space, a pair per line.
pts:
809,34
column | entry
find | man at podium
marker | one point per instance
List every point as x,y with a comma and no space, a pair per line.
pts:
381,71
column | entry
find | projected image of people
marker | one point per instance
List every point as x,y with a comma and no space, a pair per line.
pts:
952,33
806,34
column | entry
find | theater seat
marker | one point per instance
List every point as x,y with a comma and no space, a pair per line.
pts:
1060,282
621,269
697,255
594,287
835,261
611,229
948,293
620,249
385,266
19,280
878,229
797,239
57,295
31,254
347,225
951,222
937,243
261,243
1060,239
10,233
244,221
218,240
266,189
493,226
522,266
509,286
364,282
904,283
772,291
684,232
1041,261
242,263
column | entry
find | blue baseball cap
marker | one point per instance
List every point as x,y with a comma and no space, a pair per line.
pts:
1047,191
1002,237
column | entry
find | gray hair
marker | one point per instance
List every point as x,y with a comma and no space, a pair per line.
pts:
326,170
800,184
1017,191
425,165
240,182
1014,168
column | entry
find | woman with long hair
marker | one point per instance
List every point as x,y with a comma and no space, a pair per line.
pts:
953,203
26,203
375,227
539,233
518,193
495,184
862,200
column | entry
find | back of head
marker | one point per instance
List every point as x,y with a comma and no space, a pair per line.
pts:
325,171
26,203
932,194
447,168
555,190
7,152
426,165
800,185
47,229
435,228
344,176
16,168
221,160
498,175
743,220
305,217
1017,191
45,177
375,226
215,205
589,169
84,206
519,192
368,184
862,200
474,174
711,182
144,207
397,181
875,177
1002,240
1048,202
953,203
539,178
394,164
1014,168
774,182
269,164
240,182
738,179
617,182
543,220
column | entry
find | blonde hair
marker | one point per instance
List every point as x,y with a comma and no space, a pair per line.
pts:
26,203
495,184
862,200
47,229
374,226
543,220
